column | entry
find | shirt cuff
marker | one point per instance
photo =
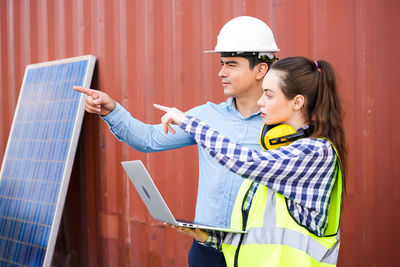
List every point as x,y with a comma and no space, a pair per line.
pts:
214,240
185,122
114,115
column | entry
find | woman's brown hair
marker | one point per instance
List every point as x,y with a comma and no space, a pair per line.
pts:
316,81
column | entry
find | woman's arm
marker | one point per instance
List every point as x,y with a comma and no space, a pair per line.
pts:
302,171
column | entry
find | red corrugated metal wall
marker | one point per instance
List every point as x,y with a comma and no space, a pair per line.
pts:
151,52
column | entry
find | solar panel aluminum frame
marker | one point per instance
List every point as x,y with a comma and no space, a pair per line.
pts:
71,150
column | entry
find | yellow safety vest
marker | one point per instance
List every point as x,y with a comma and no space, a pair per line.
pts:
274,238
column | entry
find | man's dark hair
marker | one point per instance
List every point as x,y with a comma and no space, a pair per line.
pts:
255,60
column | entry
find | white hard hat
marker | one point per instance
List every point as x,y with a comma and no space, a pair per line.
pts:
246,34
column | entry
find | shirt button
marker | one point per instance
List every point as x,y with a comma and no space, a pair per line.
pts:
226,195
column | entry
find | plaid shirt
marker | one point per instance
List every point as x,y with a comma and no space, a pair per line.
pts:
303,172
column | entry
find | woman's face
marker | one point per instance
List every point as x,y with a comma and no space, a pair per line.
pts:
274,106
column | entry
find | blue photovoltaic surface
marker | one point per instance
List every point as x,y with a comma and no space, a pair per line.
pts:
35,160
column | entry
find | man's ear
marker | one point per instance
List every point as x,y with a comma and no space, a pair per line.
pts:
261,69
298,102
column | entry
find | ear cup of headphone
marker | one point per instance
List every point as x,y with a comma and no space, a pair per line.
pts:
271,132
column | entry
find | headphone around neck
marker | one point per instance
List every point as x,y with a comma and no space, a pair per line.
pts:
274,136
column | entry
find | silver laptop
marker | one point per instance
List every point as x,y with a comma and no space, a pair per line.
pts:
155,203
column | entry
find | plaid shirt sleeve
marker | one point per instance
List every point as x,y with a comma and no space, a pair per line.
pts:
303,172
214,240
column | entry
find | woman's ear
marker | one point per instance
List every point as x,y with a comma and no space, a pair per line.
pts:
298,102
261,69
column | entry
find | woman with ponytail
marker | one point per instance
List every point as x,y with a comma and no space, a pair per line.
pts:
290,199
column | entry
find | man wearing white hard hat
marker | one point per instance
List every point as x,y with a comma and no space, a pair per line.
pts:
246,46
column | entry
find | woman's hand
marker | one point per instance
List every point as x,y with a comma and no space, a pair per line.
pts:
198,234
172,116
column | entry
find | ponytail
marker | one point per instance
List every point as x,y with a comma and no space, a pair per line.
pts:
328,113
316,81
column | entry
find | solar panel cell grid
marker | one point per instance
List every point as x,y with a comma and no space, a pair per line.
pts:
34,165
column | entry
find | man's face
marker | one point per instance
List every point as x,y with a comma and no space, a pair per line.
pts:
237,77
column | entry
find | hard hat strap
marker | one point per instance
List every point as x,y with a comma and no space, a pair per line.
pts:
238,54
266,57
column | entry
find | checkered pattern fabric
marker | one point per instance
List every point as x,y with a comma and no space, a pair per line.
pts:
303,172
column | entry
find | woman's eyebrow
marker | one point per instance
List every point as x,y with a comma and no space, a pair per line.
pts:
267,89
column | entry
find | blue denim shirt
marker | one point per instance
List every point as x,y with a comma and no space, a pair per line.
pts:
218,186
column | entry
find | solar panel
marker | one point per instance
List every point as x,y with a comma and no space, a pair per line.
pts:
38,159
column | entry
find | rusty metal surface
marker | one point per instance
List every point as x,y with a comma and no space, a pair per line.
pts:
151,52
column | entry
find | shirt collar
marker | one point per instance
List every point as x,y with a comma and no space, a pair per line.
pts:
304,127
230,106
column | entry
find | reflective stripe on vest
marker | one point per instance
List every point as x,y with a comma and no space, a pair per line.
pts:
275,238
